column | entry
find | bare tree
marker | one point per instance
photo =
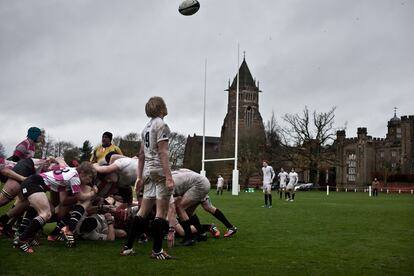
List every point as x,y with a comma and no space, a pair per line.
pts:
307,138
177,147
130,144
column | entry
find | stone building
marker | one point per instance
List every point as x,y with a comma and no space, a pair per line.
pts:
359,159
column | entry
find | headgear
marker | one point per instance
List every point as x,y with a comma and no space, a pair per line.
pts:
34,133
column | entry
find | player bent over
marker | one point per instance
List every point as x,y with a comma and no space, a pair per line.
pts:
34,192
190,188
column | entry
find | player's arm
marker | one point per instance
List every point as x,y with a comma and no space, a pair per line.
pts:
111,230
171,222
106,169
9,173
141,160
164,158
119,151
93,156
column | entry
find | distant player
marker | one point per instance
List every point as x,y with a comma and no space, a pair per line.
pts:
283,177
268,176
220,184
290,188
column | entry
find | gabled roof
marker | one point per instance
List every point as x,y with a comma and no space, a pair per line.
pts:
245,77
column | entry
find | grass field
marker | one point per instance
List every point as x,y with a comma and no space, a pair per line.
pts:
339,234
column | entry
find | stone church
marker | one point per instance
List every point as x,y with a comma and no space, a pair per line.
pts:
356,160
251,128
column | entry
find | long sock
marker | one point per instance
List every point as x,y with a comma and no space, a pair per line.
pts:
288,195
187,229
220,216
280,194
196,222
293,196
265,197
158,226
270,199
136,229
60,224
27,219
75,216
206,227
35,225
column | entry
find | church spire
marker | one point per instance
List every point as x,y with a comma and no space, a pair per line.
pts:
246,78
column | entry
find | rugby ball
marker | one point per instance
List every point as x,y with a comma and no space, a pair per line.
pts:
189,7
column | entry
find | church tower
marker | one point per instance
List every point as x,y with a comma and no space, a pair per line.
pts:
251,128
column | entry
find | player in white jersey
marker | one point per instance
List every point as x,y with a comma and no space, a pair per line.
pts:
268,176
154,174
220,184
190,188
126,170
96,228
283,177
290,189
62,181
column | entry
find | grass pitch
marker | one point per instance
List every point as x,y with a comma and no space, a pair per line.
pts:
339,234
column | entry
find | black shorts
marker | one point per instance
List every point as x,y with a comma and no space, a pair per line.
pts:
25,167
33,184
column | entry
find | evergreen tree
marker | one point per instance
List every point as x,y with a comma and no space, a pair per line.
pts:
86,151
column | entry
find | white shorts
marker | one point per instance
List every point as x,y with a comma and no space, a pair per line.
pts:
198,192
282,185
289,187
154,186
267,188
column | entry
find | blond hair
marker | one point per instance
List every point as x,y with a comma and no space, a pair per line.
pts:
86,168
155,107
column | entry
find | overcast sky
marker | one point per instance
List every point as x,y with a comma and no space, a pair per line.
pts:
78,68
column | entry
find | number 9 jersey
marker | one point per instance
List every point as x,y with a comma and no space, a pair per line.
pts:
154,132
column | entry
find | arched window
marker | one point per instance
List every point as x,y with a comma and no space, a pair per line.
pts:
248,118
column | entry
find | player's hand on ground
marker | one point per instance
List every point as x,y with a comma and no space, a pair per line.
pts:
171,238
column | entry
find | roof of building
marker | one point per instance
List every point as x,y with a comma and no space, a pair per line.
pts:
245,77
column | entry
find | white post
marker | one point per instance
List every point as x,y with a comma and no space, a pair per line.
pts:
203,157
355,190
369,190
327,190
399,191
337,189
346,190
411,191
388,191
236,188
